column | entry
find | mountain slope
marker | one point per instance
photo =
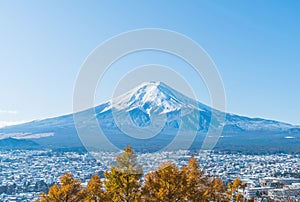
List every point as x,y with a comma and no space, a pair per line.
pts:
148,106
11,143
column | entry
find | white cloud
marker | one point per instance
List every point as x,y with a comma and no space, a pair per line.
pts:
25,135
8,111
10,123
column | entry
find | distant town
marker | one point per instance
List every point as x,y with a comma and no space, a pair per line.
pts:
26,173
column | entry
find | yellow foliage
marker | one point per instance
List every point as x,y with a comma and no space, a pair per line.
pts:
70,190
123,183
166,184
94,189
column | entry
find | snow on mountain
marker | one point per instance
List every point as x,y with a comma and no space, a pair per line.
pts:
152,96
158,98
151,106
142,105
256,124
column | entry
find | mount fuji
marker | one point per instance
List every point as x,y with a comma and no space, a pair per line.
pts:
155,105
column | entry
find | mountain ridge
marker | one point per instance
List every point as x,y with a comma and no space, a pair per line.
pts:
140,106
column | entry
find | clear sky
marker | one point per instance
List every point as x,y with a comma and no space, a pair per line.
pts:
254,44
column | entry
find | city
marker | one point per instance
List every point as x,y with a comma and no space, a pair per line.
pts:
149,101
26,173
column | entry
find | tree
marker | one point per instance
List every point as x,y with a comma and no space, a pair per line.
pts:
70,190
215,191
53,195
232,192
196,181
123,181
94,190
168,184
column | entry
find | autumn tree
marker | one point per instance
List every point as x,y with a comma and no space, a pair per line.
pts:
54,195
94,190
215,190
70,190
123,181
196,182
232,192
168,184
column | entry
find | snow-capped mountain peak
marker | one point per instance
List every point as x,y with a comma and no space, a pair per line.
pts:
151,106
152,96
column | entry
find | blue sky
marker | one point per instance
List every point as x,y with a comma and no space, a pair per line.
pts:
254,44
